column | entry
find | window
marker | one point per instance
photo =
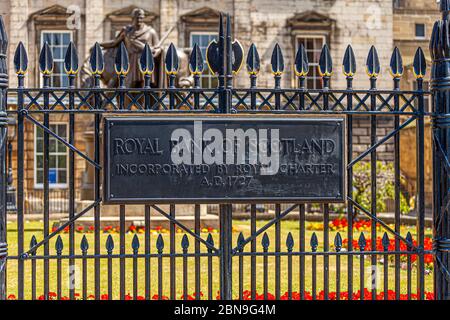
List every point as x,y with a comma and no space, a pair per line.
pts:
57,157
58,42
202,39
420,31
313,46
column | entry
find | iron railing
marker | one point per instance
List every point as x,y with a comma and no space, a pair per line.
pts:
230,264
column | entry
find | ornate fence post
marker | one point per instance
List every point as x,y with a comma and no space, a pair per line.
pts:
3,142
440,86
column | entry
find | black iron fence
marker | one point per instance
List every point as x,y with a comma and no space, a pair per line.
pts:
272,258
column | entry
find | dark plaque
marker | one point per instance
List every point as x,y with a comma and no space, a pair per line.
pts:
223,159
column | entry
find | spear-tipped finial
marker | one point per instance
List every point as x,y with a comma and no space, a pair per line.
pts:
325,62
185,243
289,242
338,242
59,246
160,244
420,64
253,62
277,61
385,242
362,242
3,37
135,243
21,59
122,62
349,62
96,60
146,62
301,62
409,241
172,60
109,244
46,59
196,64
265,242
373,63
396,65
71,65
210,240
33,243
84,245
314,242
240,242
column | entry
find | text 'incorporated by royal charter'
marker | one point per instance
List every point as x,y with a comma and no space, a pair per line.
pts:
223,159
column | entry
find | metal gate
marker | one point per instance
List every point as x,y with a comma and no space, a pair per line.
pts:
230,265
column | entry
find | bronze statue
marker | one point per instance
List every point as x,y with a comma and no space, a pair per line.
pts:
135,36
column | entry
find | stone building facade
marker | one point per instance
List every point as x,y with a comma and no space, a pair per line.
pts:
361,23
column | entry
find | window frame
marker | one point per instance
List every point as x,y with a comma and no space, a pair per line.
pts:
35,168
206,73
315,65
424,31
52,31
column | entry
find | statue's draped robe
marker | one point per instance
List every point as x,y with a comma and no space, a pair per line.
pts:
134,42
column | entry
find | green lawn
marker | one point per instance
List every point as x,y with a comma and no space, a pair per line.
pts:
36,228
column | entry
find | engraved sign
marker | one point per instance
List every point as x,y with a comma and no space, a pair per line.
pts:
223,159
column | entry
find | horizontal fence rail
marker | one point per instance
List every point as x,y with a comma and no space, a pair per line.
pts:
269,259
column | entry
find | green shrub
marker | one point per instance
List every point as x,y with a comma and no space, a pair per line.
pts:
385,186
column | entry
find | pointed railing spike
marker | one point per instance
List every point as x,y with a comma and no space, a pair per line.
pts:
59,246
46,59
301,62
289,242
338,242
96,60
435,49
373,63
325,62
122,62
349,62
135,243
253,61
33,242
314,242
265,242
84,245
420,64
196,64
172,60
385,241
3,36
277,61
146,61
160,244
109,244
240,242
362,242
210,239
71,65
20,59
185,243
409,241
396,64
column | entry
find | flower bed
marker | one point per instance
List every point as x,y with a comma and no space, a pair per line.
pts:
247,295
